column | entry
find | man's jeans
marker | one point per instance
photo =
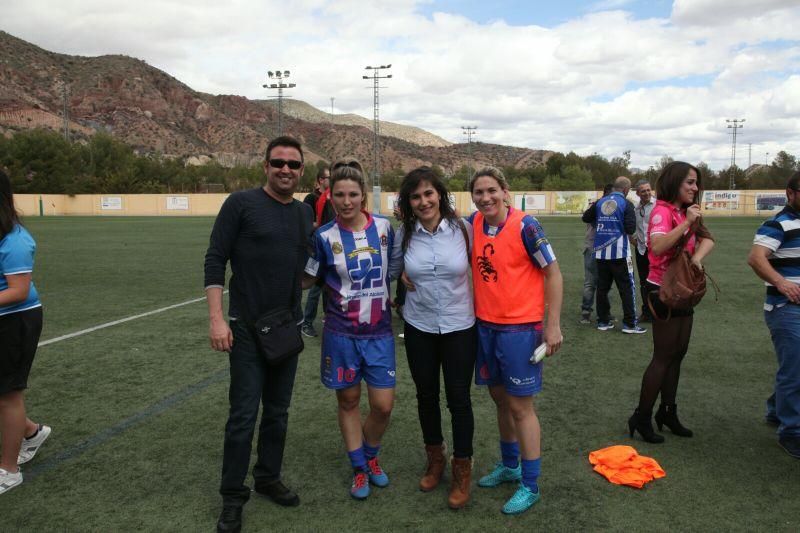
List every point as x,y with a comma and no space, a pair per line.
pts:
589,280
784,326
312,302
254,382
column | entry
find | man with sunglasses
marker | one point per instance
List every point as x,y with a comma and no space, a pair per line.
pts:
263,232
775,258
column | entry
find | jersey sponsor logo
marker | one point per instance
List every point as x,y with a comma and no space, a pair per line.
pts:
384,241
485,267
365,275
363,249
608,207
337,248
656,219
391,372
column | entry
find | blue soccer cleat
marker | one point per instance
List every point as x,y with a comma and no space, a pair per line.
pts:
360,487
500,474
376,474
521,501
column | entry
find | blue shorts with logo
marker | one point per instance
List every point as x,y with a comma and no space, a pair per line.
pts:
504,353
346,360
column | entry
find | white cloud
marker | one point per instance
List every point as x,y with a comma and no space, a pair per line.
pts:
604,82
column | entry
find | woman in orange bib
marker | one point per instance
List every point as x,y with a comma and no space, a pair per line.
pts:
516,278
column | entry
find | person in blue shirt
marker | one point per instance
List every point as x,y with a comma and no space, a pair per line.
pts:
20,327
433,246
775,258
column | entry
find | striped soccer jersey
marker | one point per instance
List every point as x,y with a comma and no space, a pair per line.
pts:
355,269
610,241
781,234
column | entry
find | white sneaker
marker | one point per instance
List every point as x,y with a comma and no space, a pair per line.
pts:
31,446
9,480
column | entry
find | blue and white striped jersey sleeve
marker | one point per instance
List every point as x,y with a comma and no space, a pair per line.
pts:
770,235
536,243
316,260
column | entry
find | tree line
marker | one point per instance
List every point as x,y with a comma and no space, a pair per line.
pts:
43,162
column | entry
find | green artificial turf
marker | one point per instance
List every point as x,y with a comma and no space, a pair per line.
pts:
138,409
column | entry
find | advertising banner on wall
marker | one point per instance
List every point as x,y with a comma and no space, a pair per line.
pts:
716,200
532,201
770,201
178,203
571,202
111,203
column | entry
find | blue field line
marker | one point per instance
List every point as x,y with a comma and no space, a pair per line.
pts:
100,438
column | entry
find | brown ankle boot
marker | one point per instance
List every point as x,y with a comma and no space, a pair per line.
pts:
435,469
460,483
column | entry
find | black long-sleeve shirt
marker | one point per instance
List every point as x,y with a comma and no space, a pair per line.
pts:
266,243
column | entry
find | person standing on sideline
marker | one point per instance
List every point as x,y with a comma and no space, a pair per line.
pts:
263,233
614,220
510,250
676,216
590,268
643,210
775,258
351,255
312,299
432,246
20,327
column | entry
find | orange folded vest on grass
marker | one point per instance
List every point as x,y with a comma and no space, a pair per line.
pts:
622,465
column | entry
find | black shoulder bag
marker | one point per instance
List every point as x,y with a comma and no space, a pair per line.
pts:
275,332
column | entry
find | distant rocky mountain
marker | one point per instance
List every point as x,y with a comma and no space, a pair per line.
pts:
154,112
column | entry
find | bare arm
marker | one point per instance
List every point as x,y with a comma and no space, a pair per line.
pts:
704,247
219,333
662,243
759,262
18,287
553,297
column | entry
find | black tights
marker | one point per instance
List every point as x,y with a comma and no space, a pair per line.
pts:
670,343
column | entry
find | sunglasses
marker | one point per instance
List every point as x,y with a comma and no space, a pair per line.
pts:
352,164
279,163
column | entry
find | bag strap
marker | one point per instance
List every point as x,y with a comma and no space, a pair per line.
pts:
653,310
465,234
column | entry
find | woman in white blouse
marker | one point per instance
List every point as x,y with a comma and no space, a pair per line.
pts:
432,246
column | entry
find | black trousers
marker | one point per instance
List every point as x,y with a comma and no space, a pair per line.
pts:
454,353
643,267
254,382
618,271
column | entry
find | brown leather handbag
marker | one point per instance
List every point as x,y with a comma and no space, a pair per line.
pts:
684,283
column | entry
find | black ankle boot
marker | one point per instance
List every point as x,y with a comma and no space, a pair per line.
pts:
641,422
667,415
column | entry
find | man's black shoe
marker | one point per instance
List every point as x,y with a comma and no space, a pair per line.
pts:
279,493
791,445
230,521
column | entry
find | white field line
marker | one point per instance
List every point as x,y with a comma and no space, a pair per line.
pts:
120,321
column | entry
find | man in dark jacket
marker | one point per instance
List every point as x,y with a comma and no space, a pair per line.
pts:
263,233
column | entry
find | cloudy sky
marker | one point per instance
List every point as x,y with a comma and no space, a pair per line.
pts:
654,77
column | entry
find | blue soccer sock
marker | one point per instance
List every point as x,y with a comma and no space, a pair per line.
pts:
371,451
357,459
530,473
510,453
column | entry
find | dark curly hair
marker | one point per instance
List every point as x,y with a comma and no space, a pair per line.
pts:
410,183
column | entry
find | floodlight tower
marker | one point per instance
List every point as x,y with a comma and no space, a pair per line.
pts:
279,77
65,96
469,131
376,144
734,124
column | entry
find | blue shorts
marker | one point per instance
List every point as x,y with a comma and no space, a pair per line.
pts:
346,359
504,358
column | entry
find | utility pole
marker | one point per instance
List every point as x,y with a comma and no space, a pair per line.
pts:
469,131
332,99
65,95
734,125
376,144
279,77
766,159
749,155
